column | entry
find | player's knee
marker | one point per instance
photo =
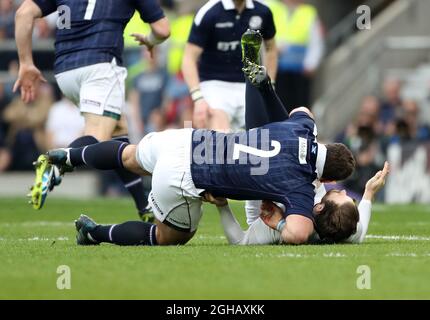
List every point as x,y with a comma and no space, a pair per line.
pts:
167,236
121,128
99,126
129,160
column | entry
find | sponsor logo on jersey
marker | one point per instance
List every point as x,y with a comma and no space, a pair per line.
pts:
303,150
228,46
223,25
255,22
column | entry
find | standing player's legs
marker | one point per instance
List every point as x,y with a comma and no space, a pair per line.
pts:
100,91
227,104
219,120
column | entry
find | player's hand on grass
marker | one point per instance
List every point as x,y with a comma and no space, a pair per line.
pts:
271,214
376,182
143,40
28,82
201,114
219,202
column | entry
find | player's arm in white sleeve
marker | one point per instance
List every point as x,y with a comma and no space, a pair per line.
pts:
232,229
315,51
365,206
257,233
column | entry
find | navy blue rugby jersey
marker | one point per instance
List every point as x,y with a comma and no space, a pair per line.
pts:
218,28
275,162
96,30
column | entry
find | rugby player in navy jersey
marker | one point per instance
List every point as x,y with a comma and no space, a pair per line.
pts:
335,218
212,60
88,68
277,162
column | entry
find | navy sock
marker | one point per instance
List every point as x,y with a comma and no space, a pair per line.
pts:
275,109
255,108
133,183
131,233
83,141
262,105
103,155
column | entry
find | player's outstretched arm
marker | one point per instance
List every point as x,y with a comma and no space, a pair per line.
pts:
230,225
365,207
190,71
160,32
258,232
29,77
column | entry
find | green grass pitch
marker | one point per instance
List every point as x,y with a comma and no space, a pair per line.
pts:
33,244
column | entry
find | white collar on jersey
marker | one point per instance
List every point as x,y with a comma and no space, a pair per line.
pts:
321,156
229,4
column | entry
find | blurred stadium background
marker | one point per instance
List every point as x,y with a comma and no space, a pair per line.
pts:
371,90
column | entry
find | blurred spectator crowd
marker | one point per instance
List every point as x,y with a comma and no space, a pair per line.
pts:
380,122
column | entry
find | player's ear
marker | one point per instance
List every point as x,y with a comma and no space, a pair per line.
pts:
319,207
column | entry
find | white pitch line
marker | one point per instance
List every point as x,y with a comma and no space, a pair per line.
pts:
207,237
398,254
397,237
299,255
407,254
37,239
31,224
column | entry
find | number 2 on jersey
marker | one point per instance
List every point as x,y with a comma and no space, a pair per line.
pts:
90,9
257,152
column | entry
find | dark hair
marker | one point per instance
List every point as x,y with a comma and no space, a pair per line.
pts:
336,223
339,163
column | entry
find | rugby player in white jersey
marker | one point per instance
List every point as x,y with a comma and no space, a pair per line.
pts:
270,227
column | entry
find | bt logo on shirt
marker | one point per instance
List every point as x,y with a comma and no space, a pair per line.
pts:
228,46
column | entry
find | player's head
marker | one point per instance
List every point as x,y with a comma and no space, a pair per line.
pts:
339,163
336,216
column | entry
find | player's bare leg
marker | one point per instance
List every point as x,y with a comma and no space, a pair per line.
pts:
129,161
219,120
168,236
100,127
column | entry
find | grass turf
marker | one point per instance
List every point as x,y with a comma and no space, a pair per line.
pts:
33,244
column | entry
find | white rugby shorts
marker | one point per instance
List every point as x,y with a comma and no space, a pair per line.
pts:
174,198
228,97
97,89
